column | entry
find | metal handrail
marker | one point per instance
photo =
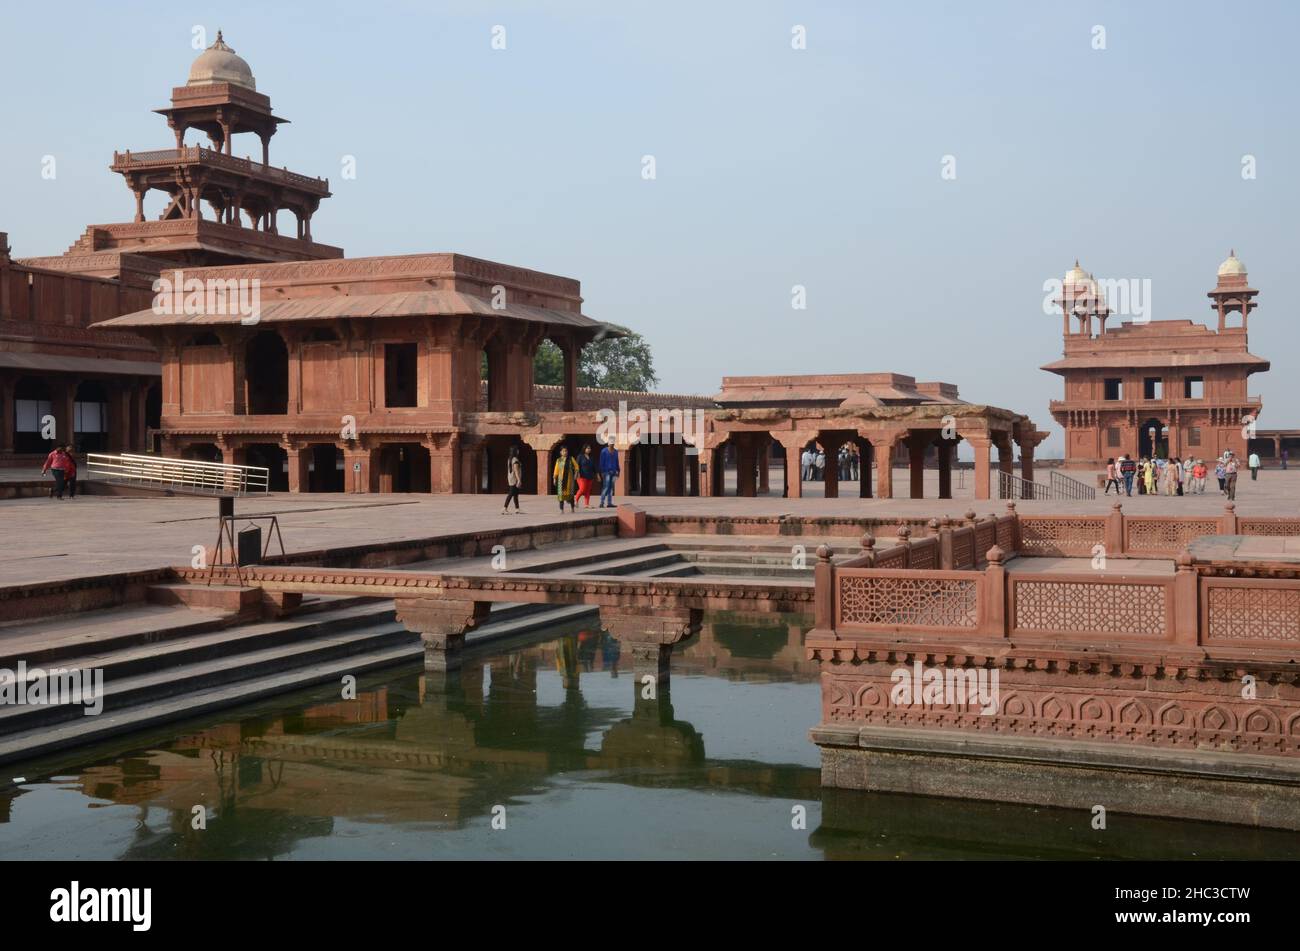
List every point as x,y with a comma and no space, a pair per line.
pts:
1013,487
188,474
1067,487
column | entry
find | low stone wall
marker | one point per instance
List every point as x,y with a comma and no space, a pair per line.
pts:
45,599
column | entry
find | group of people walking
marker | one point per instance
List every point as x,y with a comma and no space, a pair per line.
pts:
1157,476
63,464
572,478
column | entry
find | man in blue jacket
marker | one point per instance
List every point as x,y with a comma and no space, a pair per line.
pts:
608,473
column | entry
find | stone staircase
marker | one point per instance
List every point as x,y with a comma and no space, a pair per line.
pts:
184,653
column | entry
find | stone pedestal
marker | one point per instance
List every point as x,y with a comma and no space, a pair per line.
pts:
649,635
442,624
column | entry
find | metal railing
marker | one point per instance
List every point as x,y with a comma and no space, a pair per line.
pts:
1066,487
186,474
1060,487
1013,487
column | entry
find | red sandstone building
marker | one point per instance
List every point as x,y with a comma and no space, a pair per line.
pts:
101,388
1170,388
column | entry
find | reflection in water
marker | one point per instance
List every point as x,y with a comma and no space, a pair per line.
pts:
585,762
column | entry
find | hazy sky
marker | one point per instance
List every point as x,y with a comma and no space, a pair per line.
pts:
774,167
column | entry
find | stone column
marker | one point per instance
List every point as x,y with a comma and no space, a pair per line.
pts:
793,471
831,473
746,487
882,449
7,420
763,451
64,410
865,456
981,444
442,624
1027,461
946,449
674,468
693,473
650,634
364,479
916,466
298,456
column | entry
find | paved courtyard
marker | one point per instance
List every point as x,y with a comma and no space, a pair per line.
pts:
51,540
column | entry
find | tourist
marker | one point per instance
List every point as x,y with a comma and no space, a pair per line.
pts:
1199,472
1220,475
821,464
565,478
1148,477
514,479
855,462
586,475
56,463
609,471
1188,464
70,470
1112,477
1172,473
1253,462
1127,468
1284,460
806,464
1230,476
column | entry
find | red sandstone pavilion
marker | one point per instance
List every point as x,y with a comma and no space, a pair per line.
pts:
1160,388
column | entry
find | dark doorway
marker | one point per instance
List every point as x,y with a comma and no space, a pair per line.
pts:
266,375
274,459
325,468
404,467
1153,440
401,371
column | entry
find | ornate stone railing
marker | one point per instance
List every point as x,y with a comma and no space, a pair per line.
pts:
197,155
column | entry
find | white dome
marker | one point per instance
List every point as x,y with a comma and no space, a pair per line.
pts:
1076,274
219,64
1232,267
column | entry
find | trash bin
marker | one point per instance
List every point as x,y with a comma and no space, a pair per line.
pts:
250,545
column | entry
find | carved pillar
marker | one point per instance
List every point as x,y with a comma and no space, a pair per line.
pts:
298,456
441,624
882,450
763,450
793,469
650,634
746,485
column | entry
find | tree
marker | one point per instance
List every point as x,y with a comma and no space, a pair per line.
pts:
614,363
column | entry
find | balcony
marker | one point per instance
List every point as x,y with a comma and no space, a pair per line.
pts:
197,156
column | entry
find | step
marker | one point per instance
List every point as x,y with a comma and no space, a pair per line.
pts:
634,564
176,651
158,684
589,557
232,599
50,641
83,730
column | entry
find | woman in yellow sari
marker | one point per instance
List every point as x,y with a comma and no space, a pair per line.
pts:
565,478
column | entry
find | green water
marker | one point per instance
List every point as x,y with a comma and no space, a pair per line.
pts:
543,751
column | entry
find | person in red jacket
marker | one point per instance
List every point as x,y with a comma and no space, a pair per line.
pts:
70,470
57,463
